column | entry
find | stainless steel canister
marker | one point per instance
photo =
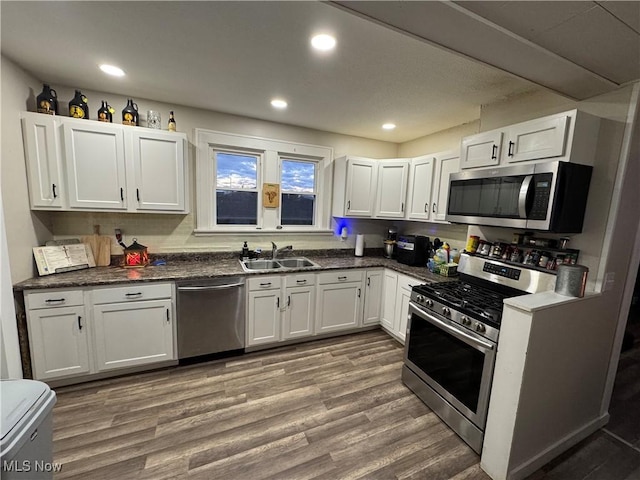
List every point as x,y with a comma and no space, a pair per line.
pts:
571,280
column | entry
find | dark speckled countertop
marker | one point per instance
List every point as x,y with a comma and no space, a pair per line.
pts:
203,266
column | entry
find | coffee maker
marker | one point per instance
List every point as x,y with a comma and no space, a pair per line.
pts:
390,242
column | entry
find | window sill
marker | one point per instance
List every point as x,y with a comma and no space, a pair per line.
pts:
263,231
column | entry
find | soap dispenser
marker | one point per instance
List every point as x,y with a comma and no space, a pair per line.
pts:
245,250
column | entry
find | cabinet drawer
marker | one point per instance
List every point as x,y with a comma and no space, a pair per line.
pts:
265,283
54,298
405,282
340,277
301,280
132,293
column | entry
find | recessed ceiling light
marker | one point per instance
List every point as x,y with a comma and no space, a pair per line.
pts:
277,103
323,42
112,70
389,126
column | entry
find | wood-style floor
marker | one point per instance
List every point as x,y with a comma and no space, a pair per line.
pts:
328,409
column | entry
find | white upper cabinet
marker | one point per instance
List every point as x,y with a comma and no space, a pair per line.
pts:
87,165
392,188
354,186
95,163
481,150
44,161
544,138
420,188
159,166
568,136
445,164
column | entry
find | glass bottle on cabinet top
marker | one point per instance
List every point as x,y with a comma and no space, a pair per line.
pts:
47,101
79,106
130,113
172,122
105,113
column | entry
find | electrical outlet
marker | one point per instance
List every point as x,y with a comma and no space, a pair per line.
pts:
609,281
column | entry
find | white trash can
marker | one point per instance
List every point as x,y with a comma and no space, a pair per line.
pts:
26,450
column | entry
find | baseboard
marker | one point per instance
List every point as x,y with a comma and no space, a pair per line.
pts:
527,468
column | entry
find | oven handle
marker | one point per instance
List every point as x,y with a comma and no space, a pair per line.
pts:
452,330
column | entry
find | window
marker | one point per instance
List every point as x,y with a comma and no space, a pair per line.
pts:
231,171
236,178
298,192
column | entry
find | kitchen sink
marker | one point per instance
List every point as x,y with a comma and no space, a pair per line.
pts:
278,264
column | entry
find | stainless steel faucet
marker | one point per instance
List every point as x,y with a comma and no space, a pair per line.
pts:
275,250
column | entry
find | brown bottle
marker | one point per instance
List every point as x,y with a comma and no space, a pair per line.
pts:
104,113
172,122
78,106
130,113
47,101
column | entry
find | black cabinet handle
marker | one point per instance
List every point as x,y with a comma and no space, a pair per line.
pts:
266,284
277,302
402,207
301,281
434,208
122,194
138,194
342,278
55,300
494,151
368,281
511,145
53,187
288,300
137,294
348,204
79,322
426,207
359,292
168,316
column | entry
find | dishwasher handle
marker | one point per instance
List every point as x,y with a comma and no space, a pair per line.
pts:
211,287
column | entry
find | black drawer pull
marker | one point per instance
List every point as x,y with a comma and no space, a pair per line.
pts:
301,281
266,284
137,294
342,278
55,300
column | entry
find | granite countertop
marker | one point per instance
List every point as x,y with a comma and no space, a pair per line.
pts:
203,266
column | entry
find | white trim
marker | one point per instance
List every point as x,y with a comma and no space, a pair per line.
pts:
271,151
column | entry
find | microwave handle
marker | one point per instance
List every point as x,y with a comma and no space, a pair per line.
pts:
522,197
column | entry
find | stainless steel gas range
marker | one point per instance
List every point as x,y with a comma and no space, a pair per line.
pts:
452,338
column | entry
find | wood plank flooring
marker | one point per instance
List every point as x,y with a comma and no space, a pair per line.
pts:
329,409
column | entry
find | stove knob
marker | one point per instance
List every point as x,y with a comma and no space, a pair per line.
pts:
480,327
429,302
420,299
465,320
446,312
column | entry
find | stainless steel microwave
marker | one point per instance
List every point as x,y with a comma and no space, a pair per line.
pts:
550,196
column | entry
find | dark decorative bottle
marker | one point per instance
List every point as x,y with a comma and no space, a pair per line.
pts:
172,122
130,113
78,106
47,101
105,113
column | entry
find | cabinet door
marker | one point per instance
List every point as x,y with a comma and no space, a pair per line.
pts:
392,188
263,317
420,188
159,165
481,150
44,164
373,297
446,164
299,313
402,313
390,285
338,306
135,333
361,187
94,154
545,138
59,342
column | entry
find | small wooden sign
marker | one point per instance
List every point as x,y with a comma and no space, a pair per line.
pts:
271,195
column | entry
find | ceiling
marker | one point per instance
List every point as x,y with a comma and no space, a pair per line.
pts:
409,63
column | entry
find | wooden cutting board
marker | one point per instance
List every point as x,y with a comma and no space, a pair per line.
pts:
101,248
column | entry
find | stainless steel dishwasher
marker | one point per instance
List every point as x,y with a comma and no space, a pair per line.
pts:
211,316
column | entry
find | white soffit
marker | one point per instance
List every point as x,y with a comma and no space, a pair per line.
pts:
453,27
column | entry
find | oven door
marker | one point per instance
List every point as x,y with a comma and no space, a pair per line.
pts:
454,362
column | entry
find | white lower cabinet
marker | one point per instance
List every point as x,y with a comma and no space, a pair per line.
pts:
338,302
395,308
372,297
83,332
300,302
264,302
58,333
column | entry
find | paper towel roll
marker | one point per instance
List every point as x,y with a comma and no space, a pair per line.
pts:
359,245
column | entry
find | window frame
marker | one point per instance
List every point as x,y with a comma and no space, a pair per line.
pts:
315,193
271,152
